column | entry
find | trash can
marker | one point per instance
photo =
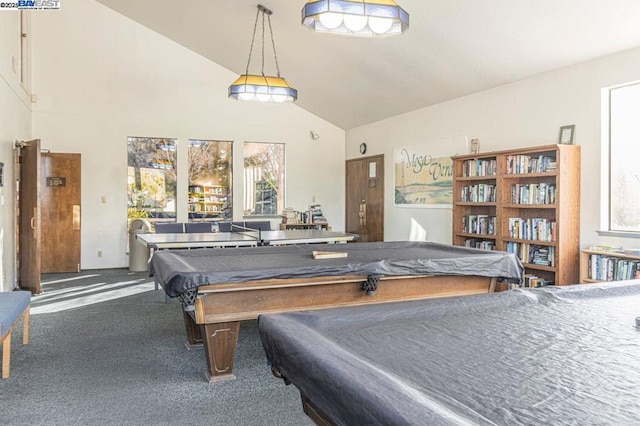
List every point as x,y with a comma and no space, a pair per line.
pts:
138,252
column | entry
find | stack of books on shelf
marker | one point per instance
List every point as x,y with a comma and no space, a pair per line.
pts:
481,193
480,244
479,224
605,268
533,281
533,253
534,193
532,229
519,164
289,215
315,214
474,168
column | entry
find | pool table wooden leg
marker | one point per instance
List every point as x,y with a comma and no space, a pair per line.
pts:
220,342
194,337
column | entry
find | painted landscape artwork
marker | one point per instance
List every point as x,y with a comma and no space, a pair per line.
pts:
422,180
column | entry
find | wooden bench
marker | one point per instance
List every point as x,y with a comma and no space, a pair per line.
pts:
13,306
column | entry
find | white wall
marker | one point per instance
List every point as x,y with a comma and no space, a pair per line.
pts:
525,113
15,123
101,77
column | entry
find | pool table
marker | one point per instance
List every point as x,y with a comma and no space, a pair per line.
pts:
545,356
219,287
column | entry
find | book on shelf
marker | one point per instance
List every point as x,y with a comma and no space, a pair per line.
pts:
533,281
602,247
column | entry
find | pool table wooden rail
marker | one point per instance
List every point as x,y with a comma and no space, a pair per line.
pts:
219,308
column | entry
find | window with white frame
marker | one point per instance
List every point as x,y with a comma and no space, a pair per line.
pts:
263,178
624,152
151,178
210,176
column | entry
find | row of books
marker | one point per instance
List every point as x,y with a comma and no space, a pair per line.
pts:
480,244
472,168
533,253
533,193
532,229
518,164
313,215
531,280
481,193
605,268
479,224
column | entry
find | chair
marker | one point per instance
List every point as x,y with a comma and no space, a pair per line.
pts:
262,225
169,228
197,227
224,226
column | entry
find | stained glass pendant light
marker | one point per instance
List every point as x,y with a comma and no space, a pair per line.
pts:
355,17
262,88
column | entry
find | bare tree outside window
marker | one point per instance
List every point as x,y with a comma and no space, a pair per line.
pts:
264,178
151,178
210,175
624,184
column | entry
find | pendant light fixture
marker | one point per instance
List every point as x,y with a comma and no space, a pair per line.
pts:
261,88
355,17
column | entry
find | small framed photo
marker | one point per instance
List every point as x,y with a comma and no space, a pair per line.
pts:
474,146
566,134
1,174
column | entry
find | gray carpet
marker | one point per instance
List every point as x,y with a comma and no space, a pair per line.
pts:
123,362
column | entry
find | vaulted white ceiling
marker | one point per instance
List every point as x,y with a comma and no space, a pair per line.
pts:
453,47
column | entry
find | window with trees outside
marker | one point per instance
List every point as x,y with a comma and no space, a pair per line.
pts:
624,151
263,178
151,178
210,173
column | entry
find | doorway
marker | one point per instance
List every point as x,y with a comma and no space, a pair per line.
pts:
365,198
47,213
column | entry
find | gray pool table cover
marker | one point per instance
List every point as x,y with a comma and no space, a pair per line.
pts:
179,271
549,356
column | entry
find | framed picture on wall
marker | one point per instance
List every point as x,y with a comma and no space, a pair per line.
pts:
566,134
1,174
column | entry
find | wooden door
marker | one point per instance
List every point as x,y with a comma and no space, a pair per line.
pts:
60,203
365,198
29,216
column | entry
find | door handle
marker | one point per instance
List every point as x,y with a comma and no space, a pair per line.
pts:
33,223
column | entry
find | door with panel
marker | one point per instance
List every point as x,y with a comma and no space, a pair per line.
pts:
365,197
60,205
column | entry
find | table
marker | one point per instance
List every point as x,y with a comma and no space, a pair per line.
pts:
220,288
249,238
547,356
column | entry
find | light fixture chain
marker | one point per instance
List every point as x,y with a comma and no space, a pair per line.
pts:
253,37
273,43
263,44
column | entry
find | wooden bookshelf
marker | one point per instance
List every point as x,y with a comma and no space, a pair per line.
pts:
588,273
534,195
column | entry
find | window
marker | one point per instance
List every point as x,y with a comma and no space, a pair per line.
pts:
210,195
263,178
624,151
151,178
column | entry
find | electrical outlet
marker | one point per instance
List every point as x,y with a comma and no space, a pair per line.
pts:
99,253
